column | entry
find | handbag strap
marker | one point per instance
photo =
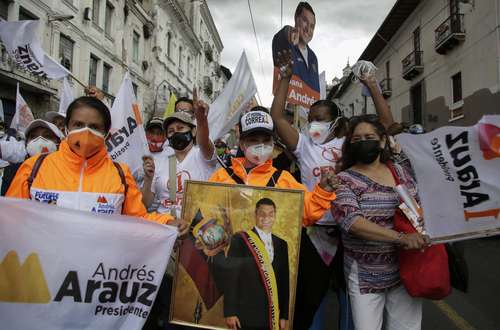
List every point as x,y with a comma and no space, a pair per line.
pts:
395,174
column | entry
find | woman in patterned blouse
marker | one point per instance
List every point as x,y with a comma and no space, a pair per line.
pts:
364,208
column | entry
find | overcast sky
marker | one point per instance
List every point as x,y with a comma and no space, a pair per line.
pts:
343,29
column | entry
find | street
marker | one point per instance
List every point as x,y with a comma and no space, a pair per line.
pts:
478,309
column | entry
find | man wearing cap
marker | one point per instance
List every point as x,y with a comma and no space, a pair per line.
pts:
41,137
257,144
193,161
55,118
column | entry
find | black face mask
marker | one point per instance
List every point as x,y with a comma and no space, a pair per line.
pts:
179,141
366,151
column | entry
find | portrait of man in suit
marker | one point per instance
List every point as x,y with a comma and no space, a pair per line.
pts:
256,290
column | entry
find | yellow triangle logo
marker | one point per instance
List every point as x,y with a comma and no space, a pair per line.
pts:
23,284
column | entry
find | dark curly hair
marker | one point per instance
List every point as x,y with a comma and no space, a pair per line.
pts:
348,159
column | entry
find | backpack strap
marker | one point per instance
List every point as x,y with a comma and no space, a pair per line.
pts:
273,181
122,177
34,170
236,178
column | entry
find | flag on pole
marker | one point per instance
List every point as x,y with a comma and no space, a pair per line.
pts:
65,96
23,116
127,142
170,106
226,109
22,43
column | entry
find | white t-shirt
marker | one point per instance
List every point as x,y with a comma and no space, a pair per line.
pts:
193,167
312,158
304,53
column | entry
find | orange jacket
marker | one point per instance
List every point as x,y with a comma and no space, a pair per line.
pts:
315,202
95,185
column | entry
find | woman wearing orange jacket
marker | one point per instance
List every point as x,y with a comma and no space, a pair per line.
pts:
81,175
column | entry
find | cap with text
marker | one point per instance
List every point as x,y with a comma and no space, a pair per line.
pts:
256,121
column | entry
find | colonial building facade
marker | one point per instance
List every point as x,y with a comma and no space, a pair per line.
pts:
438,63
164,44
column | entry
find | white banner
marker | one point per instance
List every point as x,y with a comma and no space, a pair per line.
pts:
225,111
22,43
127,142
458,174
68,269
65,96
23,116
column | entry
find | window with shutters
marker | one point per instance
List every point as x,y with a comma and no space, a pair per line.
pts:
106,76
66,52
135,47
108,23
94,62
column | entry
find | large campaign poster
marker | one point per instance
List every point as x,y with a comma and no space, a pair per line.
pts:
304,87
69,269
240,258
458,176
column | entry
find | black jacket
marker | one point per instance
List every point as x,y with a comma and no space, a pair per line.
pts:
244,293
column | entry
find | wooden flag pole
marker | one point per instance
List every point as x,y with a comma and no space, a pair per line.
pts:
78,81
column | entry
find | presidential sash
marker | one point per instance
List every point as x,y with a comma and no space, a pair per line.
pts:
266,271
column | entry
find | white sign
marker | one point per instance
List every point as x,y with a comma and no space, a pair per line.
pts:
225,111
69,269
458,175
322,85
127,142
22,43
65,96
23,116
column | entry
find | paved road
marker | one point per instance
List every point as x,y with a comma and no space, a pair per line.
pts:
478,309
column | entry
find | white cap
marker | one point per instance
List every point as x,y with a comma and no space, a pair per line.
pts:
256,121
42,123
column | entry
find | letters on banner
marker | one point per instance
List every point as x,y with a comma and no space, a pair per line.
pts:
127,142
68,269
458,171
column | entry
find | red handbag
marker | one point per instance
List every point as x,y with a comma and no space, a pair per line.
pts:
424,273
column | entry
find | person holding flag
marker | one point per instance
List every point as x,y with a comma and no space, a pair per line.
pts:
192,161
81,174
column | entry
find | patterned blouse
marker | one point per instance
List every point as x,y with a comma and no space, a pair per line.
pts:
357,196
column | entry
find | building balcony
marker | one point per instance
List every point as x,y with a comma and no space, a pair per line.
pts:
413,64
450,33
386,87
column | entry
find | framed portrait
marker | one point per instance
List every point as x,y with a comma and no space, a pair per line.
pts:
239,261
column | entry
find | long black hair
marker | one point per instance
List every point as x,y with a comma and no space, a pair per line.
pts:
348,159
91,102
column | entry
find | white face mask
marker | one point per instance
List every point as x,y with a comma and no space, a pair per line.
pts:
320,130
40,145
259,153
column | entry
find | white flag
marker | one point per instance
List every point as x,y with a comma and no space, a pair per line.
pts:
65,96
322,85
225,111
127,142
458,171
23,116
69,269
22,43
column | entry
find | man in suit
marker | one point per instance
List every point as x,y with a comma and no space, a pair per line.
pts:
249,288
